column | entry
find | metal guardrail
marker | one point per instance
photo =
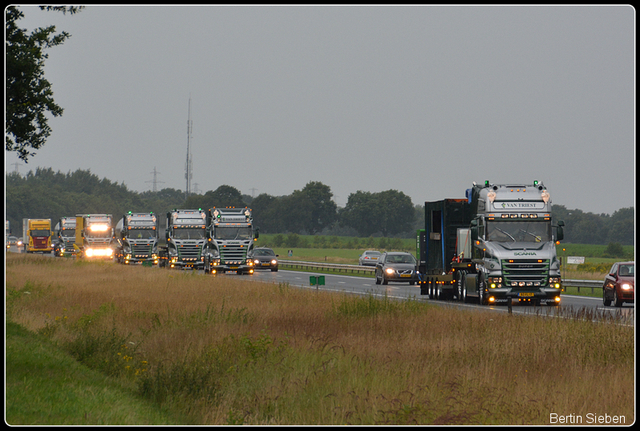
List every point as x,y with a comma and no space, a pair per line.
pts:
332,266
592,284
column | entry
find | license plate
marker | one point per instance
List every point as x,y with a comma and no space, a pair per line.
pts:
266,264
233,267
525,294
405,275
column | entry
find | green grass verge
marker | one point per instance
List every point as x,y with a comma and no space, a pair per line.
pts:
584,291
46,386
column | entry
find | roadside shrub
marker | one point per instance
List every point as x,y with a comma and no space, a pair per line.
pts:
278,240
592,267
614,249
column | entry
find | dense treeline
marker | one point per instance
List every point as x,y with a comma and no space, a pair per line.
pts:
311,210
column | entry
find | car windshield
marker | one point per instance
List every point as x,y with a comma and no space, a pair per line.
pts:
263,252
627,270
188,233
400,258
233,233
519,231
142,233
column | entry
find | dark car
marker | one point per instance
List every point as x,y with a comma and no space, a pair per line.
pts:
369,257
265,258
619,284
396,266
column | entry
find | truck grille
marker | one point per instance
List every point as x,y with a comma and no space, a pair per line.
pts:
141,250
233,254
68,244
531,272
189,252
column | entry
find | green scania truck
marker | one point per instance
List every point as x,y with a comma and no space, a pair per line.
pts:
496,245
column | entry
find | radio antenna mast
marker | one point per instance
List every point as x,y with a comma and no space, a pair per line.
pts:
188,174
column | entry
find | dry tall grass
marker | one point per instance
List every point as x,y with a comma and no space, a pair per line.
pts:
232,351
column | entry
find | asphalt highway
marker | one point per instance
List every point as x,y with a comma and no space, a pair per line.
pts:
570,304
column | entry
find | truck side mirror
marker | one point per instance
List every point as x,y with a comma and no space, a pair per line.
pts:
474,230
560,232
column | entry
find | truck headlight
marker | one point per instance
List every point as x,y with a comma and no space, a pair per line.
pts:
495,282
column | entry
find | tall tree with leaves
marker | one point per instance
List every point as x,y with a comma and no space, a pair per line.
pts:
28,94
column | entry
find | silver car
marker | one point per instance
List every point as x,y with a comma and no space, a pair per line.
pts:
369,258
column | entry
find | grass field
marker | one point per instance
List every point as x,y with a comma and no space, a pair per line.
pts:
183,348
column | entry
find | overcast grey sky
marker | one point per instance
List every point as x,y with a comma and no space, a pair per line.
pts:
420,99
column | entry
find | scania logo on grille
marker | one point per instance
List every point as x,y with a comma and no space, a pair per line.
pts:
524,253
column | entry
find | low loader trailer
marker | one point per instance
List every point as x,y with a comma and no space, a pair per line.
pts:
496,245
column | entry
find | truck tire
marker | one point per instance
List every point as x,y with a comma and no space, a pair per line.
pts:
462,287
482,297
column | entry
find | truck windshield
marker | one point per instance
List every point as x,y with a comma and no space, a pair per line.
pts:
233,233
519,231
188,233
142,233
39,232
68,232
97,234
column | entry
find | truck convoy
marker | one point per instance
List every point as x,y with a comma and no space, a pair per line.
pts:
186,237
64,237
94,234
497,245
36,235
136,239
230,238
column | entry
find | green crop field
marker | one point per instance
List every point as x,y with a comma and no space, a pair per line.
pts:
99,343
